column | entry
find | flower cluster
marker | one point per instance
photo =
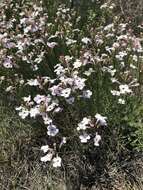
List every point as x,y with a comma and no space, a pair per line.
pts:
88,124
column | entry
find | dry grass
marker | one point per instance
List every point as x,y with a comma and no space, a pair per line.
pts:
131,9
20,168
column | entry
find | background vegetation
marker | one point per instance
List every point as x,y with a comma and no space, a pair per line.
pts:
117,164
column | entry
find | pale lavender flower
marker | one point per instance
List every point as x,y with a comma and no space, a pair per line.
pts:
70,100
51,44
52,130
79,83
39,98
55,90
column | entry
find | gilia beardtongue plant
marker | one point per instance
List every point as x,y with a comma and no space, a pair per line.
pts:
66,88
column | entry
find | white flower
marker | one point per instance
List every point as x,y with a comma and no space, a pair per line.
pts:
134,83
35,67
9,88
59,69
112,72
68,58
135,58
47,120
87,55
51,106
45,148
84,138
27,29
133,66
57,162
27,99
58,109
87,93
45,80
121,55
83,125
89,72
23,113
104,6
109,27
70,100
52,130
114,80
101,120
77,64
124,89
47,157
21,82
122,37
86,40
109,70
86,120
23,20
2,78
121,101
64,141
66,92
34,112
97,139
70,41
115,93
116,45
33,82
18,108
